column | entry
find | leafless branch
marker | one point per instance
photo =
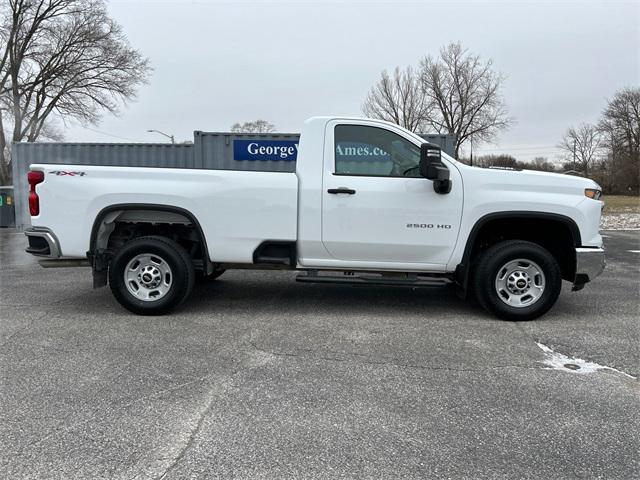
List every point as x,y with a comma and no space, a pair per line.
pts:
462,94
582,145
398,99
61,59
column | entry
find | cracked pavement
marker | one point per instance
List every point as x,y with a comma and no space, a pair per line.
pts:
260,377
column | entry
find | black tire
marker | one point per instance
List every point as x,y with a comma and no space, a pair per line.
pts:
181,275
202,278
490,265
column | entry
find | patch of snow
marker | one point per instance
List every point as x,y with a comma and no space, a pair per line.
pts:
620,221
558,361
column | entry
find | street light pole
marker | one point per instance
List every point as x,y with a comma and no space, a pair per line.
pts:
162,133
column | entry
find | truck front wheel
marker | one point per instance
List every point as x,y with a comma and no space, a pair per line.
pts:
517,280
151,275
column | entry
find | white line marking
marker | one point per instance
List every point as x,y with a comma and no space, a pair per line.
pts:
559,361
634,251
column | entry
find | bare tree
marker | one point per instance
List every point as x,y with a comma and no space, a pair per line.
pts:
583,145
398,99
542,164
463,95
259,126
620,128
61,60
621,119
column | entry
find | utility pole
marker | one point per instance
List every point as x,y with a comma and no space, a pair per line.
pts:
574,155
471,156
165,134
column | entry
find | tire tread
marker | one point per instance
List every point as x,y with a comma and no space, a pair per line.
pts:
186,267
483,279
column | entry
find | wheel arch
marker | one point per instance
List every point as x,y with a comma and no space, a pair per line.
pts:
101,230
525,225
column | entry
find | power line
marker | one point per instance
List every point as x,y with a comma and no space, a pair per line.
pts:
509,149
113,136
527,144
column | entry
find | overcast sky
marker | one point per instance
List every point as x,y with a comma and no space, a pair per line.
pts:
217,63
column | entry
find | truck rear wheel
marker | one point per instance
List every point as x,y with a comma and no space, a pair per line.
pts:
517,280
151,275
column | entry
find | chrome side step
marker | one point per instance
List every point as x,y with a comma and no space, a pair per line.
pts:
394,280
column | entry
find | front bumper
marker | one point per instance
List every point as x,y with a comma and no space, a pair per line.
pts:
589,264
42,243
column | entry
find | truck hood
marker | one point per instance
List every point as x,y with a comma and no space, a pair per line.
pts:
558,177
529,180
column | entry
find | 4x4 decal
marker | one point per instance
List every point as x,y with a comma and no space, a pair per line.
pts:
62,173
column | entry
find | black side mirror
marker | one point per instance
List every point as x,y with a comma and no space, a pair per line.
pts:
432,168
430,157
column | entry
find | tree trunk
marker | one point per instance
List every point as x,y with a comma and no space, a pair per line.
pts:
5,159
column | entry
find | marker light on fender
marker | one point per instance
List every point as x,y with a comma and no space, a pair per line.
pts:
593,193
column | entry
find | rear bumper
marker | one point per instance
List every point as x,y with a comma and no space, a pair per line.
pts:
590,263
42,243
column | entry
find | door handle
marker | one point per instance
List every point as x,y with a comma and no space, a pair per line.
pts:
348,191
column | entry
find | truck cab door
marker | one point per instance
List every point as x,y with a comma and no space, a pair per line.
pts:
376,208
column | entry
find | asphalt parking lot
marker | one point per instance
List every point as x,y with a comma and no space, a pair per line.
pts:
262,377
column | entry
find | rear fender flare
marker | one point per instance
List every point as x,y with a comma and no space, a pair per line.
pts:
107,215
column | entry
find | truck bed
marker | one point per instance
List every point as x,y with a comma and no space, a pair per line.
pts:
209,151
237,210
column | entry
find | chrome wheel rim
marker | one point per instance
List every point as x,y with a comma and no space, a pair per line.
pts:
148,277
520,283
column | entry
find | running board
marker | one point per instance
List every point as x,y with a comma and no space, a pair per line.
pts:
406,280
64,263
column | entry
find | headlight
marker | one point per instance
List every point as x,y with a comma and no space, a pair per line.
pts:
593,193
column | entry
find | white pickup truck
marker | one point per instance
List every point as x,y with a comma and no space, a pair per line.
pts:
368,203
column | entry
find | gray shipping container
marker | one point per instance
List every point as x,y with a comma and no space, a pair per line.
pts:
210,150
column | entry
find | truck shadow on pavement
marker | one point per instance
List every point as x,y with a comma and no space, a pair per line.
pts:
281,293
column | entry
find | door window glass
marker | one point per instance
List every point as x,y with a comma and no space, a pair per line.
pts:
372,151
